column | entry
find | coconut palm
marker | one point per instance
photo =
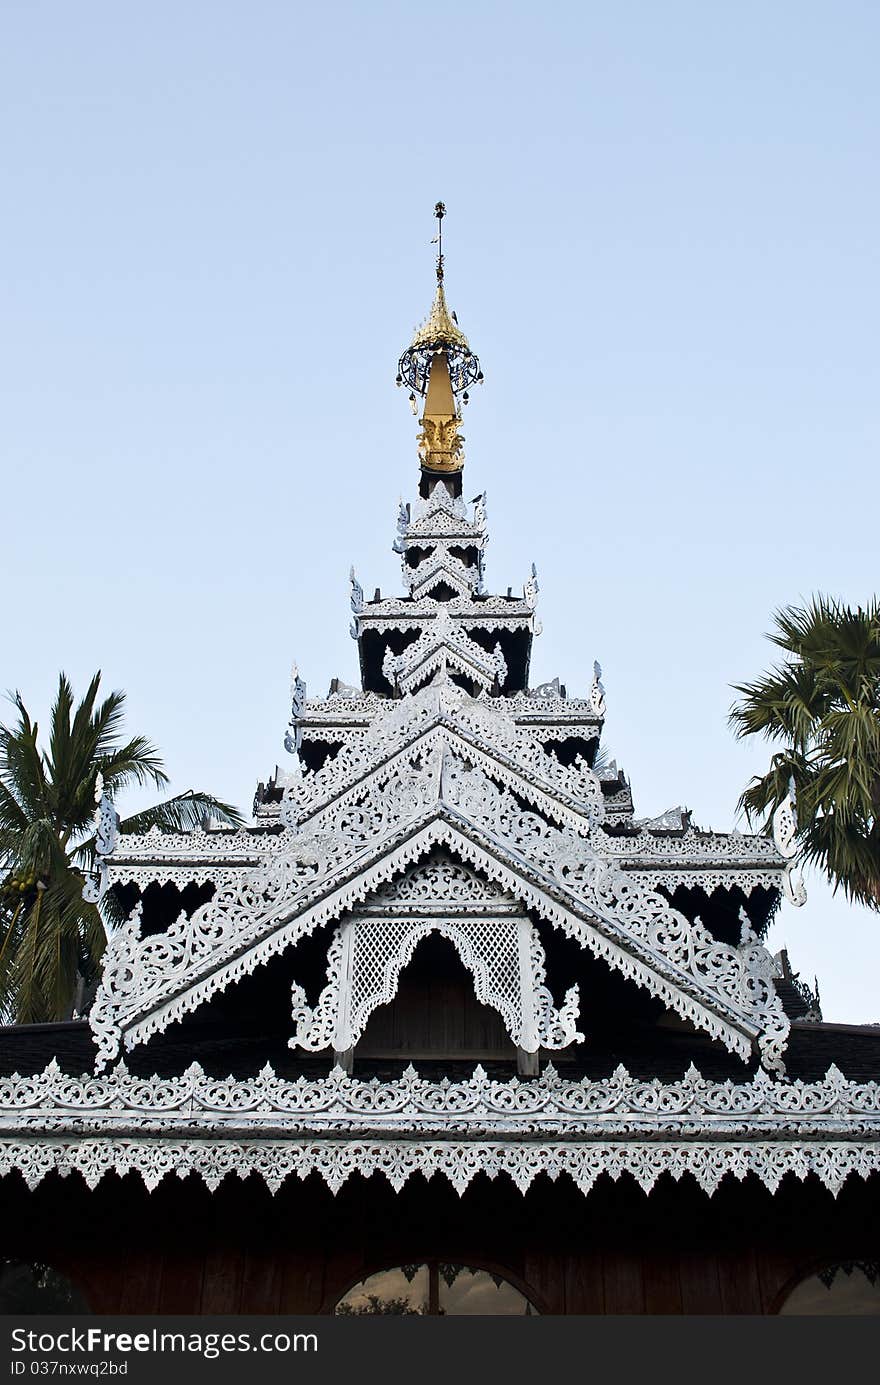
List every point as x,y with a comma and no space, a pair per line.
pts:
51,939
821,704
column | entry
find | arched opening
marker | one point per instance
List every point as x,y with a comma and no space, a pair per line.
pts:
844,1288
27,1286
435,1288
442,591
435,1012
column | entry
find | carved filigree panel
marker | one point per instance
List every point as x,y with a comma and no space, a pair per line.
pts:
502,953
120,1123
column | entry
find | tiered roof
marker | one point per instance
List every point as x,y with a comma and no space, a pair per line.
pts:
445,796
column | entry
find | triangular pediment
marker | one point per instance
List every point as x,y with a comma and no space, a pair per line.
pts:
440,883
443,719
344,858
442,566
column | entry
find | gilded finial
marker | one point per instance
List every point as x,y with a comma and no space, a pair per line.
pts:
440,333
440,366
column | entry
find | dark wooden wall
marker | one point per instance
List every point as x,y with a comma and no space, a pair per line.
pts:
183,1249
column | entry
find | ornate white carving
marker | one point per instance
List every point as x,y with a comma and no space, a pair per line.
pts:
436,884
760,1106
336,1160
443,644
645,917
552,690
669,876
276,1128
694,849
368,953
793,887
441,566
315,1028
673,820
357,593
553,1028
785,824
106,837
490,613
531,589
785,833
569,793
148,982
597,691
437,767
293,735
439,502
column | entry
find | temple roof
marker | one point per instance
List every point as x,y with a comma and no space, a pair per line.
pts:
647,1053
446,803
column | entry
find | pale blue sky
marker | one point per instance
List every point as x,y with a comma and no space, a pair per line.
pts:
661,239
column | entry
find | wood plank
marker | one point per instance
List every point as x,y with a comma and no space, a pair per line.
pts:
334,1274
221,1281
776,1270
624,1281
98,1282
141,1275
303,1288
700,1287
262,1282
545,1275
662,1283
584,1284
738,1278
181,1285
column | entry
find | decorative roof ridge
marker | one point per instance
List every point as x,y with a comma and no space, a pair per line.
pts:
756,1096
761,847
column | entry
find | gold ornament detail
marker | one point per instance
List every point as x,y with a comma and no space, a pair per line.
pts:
440,444
440,366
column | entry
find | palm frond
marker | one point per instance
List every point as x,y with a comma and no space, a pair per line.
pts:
138,762
183,813
823,707
51,940
22,769
12,816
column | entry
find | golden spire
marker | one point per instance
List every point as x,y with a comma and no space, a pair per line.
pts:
440,328
439,365
440,442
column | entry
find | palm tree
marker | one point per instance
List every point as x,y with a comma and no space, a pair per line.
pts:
822,705
51,939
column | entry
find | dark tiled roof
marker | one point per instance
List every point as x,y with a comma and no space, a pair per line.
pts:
645,1052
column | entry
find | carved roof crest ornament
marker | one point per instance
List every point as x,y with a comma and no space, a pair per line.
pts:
597,691
106,837
293,735
785,831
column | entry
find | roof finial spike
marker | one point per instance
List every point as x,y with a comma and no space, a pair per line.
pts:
439,212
